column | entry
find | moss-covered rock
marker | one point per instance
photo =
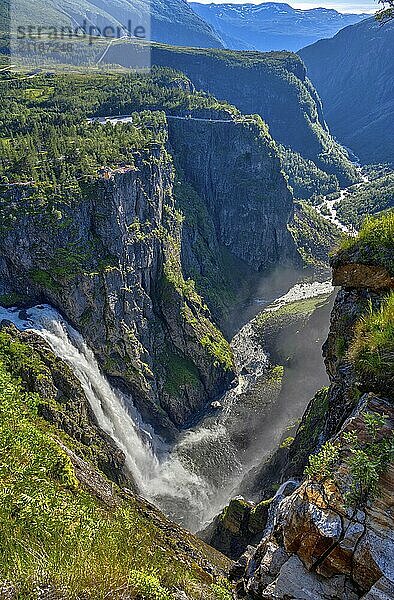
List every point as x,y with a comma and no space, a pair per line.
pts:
239,524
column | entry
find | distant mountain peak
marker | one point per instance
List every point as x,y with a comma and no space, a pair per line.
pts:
272,25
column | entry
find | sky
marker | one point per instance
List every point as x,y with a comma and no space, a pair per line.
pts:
344,6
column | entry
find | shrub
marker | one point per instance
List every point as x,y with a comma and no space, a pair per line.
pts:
365,460
377,232
321,465
148,587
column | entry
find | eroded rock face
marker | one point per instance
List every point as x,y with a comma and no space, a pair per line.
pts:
360,276
322,548
361,266
111,263
236,169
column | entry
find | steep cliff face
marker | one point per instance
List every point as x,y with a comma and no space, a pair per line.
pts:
233,165
273,85
357,61
332,537
111,264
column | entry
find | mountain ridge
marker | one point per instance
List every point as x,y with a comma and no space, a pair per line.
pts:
272,25
169,21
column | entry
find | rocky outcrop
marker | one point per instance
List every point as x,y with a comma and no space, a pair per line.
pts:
361,266
241,523
358,275
327,547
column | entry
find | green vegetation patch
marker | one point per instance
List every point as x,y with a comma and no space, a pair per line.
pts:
175,290
180,373
372,348
219,348
12,299
313,420
299,309
305,178
376,233
365,460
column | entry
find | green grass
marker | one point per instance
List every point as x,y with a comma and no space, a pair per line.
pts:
219,348
180,372
11,299
194,311
376,232
372,349
305,178
366,457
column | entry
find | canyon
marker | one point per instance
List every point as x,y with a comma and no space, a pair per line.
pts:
165,296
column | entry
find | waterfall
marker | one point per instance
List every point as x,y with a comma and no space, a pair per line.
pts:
192,480
160,475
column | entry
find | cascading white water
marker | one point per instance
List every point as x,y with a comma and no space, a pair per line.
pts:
195,478
160,476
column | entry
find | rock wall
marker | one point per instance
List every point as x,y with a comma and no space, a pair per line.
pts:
333,536
274,85
110,262
235,168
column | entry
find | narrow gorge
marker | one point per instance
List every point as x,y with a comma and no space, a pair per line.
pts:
170,268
